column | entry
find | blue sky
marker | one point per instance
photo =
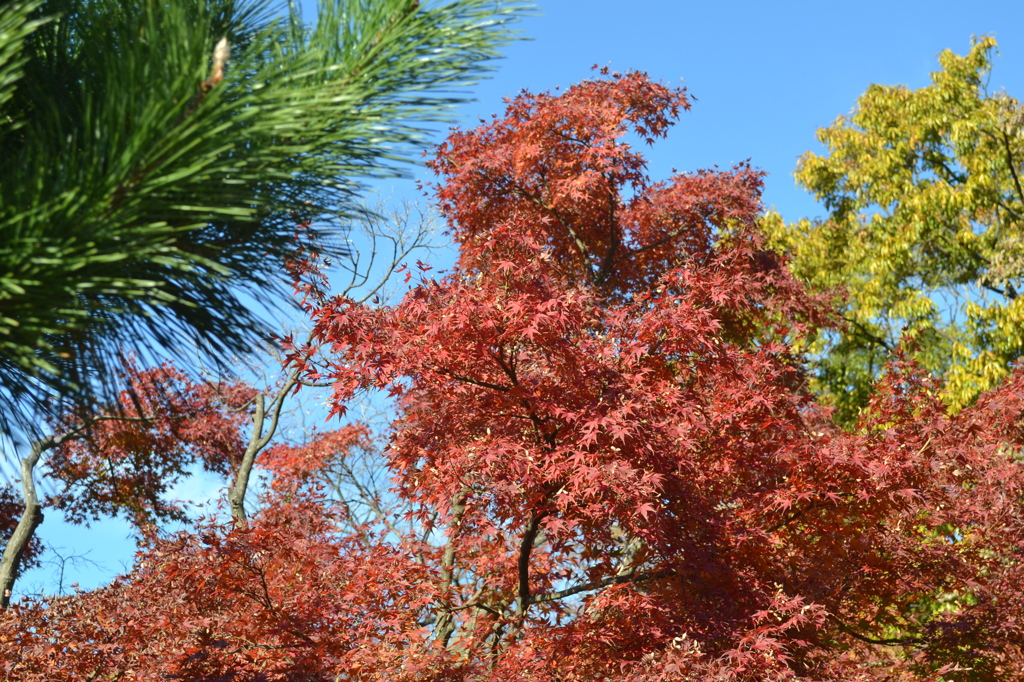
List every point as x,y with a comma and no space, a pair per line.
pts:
765,75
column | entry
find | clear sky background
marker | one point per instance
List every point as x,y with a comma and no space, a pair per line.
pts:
765,76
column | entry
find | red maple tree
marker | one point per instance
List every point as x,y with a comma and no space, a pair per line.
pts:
126,461
605,463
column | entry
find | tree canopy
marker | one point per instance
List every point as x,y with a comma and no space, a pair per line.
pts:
923,236
605,459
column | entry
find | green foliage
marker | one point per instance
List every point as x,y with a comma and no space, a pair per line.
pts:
924,232
146,181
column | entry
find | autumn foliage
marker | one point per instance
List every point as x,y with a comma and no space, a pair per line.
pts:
605,463
124,462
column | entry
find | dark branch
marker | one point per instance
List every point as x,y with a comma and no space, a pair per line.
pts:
893,641
577,241
445,622
476,382
1009,162
613,240
599,584
863,331
525,549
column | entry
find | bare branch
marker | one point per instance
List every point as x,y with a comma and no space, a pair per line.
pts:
259,440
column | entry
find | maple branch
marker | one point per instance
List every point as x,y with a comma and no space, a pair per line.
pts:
309,641
32,515
428,526
310,384
78,431
354,527
660,242
267,601
537,420
632,549
445,619
522,601
236,495
525,549
893,641
475,382
599,584
448,561
478,605
382,223
793,517
270,647
577,241
613,240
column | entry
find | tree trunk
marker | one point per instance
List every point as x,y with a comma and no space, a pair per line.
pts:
30,520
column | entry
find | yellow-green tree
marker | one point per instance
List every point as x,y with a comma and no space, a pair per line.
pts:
925,232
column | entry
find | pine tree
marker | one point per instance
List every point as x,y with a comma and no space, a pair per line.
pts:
161,158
